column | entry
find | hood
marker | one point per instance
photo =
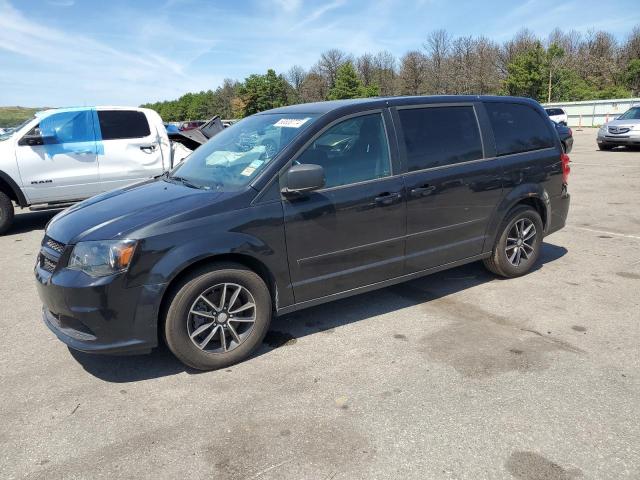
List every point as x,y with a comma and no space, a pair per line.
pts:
624,123
119,213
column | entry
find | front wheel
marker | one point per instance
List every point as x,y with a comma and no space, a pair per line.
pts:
518,246
605,147
6,213
218,317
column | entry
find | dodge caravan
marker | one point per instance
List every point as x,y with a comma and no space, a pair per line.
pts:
354,195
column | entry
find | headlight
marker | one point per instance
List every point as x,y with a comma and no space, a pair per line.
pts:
102,258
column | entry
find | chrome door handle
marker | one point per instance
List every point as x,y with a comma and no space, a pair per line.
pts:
422,191
387,198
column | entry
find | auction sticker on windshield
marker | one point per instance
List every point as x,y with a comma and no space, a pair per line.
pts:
291,122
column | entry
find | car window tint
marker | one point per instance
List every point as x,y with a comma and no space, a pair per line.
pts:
554,111
352,151
518,128
438,136
66,127
117,124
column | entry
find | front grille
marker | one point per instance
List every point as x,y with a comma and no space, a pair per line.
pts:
47,264
50,254
619,130
54,245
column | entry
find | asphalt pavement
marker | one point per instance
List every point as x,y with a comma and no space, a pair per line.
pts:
459,375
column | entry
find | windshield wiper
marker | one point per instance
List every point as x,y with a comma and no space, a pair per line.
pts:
185,182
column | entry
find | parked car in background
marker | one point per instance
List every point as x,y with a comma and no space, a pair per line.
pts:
623,131
62,156
357,195
171,128
191,125
566,136
558,115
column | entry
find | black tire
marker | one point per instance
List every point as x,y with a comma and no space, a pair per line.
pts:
190,290
6,213
605,147
499,262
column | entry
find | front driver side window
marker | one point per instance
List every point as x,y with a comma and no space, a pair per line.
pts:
66,127
352,151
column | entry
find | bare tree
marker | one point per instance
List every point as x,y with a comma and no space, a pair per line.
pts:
329,63
385,72
295,76
438,46
365,68
413,66
597,59
485,71
631,48
314,88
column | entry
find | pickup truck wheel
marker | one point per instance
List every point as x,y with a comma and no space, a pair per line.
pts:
6,212
218,317
518,247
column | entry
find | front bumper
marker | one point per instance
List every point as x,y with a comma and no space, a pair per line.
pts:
102,315
630,138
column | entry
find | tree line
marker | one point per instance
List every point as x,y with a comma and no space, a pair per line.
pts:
566,66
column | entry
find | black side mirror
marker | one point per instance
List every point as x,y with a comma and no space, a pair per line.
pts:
304,178
31,140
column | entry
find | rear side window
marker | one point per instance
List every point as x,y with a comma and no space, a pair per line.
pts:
117,124
554,111
438,136
518,128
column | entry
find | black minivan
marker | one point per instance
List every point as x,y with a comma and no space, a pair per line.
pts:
298,206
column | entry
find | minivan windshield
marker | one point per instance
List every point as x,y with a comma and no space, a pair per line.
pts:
235,156
631,114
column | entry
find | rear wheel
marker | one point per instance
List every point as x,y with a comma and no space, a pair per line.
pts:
218,317
518,247
6,213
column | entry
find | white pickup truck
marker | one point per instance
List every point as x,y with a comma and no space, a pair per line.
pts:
62,156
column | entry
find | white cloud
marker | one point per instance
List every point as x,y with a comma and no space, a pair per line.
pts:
288,5
92,69
61,3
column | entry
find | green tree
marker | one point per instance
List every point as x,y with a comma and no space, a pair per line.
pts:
527,73
632,76
262,92
348,85
554,55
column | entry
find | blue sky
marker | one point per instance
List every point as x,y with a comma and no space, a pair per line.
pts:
87,52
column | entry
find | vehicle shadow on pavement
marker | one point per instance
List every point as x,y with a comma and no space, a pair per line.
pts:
131,368
324,318
27,221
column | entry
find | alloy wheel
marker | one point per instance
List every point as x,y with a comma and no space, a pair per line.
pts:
221,318
520,241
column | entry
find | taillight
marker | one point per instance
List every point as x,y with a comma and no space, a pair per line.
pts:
566,168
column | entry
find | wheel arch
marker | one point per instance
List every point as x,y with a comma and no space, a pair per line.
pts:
531,195
11,188
244,260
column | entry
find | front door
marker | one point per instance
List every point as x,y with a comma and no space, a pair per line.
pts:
452,191
62,165
350,233
130,148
